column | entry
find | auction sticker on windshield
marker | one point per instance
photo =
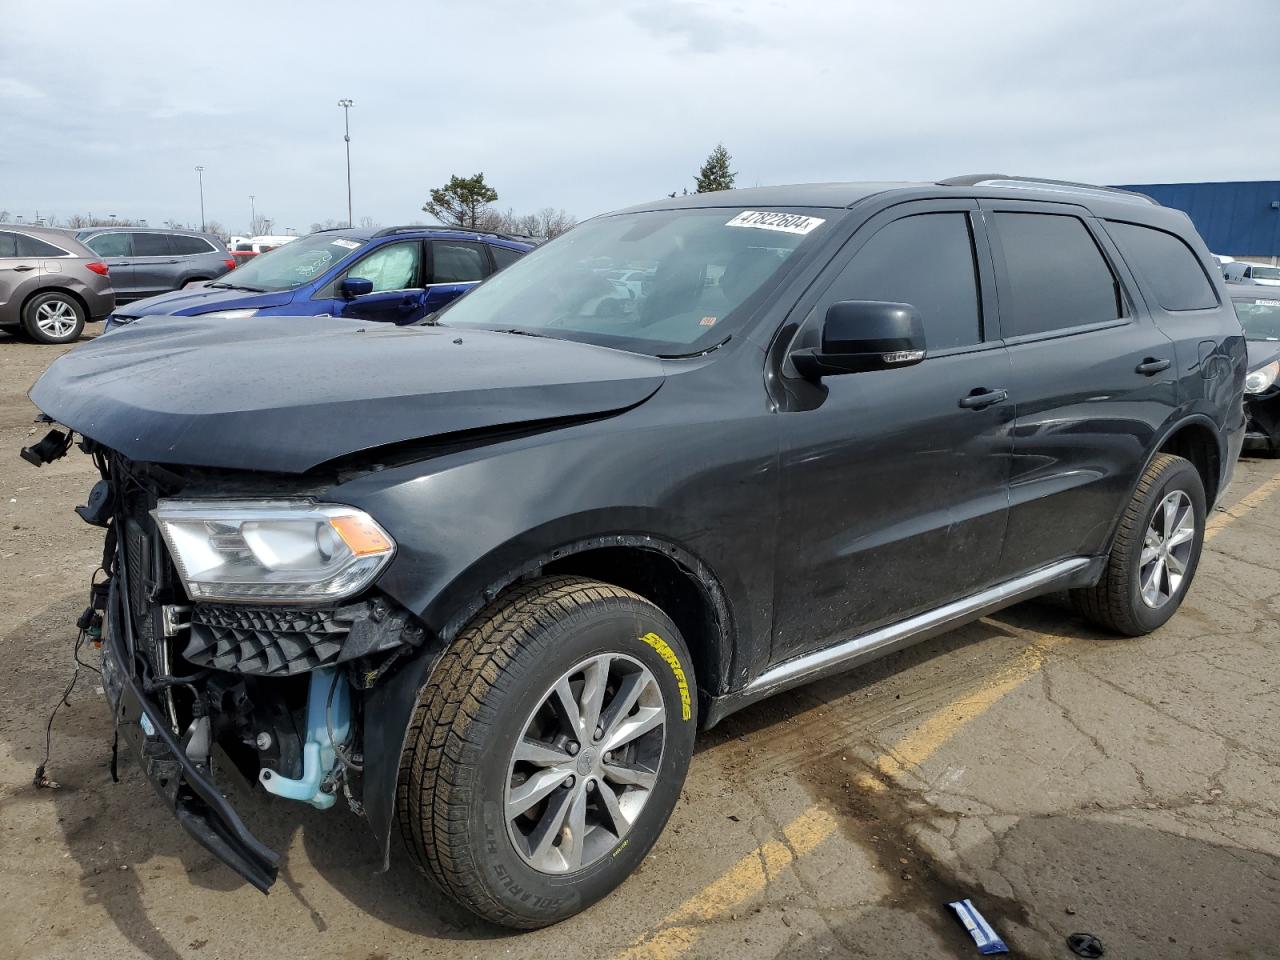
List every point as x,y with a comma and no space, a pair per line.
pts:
349,244
781,222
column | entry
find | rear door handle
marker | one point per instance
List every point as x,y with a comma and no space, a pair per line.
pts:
1151,366
982,397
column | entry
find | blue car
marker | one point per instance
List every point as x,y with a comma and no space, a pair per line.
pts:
395,275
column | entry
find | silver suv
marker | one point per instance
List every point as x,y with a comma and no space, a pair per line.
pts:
145,262
50,284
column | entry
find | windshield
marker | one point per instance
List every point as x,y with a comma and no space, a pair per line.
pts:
291,265
1260,318
667,282
1265,273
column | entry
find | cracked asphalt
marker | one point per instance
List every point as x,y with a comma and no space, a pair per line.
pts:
1062,779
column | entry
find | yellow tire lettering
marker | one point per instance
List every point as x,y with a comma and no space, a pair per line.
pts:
666,653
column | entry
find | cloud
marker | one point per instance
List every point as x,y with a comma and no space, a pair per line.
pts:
592,107
697,26
13,89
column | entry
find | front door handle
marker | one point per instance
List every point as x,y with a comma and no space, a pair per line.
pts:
1151,366
982,397
23,269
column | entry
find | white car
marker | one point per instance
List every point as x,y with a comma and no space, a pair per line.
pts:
1252,272
252,247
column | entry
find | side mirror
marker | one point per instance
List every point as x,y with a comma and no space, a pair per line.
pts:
353,287
861,335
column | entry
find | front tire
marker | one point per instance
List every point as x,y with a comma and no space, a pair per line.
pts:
53,317
1155,553
547,750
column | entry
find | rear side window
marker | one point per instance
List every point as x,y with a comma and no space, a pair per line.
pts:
1167,264
1058,278
186,246
35,247
504,256
456,261
927,261
110,244
8,244
151,245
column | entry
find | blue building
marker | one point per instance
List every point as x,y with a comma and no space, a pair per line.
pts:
1237,219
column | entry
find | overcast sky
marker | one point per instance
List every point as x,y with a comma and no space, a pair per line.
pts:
589,106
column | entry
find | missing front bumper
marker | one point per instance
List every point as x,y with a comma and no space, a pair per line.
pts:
190,794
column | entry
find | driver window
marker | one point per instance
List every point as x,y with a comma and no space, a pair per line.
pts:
393,267
926,260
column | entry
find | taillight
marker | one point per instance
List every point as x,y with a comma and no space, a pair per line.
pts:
98,267
231,264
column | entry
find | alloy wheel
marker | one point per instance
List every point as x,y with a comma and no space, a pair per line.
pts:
1166,549
56,318
586,764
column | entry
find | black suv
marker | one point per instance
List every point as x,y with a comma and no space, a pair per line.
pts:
486,576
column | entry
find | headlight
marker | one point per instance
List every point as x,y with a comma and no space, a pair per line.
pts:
230,314
1260,380
277,551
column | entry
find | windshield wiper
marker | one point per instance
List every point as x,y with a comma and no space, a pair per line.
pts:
521,333
234,286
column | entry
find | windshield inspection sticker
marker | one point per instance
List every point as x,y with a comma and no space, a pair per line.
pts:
780,222
349,244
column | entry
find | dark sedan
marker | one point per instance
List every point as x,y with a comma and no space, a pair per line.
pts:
1258,307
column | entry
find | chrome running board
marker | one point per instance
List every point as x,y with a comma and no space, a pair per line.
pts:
850,653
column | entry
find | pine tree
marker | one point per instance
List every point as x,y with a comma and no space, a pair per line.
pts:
462,201
715,173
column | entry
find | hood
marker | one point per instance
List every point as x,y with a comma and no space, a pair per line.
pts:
196,300
1262,352
285,394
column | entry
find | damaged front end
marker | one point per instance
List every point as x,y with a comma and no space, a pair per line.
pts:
245,620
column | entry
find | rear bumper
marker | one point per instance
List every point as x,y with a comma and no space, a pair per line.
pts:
184,786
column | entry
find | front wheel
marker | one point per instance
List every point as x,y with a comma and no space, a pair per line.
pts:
1155,552
548,750
53,317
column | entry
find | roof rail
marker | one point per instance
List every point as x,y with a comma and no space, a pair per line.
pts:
1058,186
329,229
517,237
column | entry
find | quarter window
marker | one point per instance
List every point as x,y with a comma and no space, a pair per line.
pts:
504,256
393,267
456,261
927,261
151,245
1167,264
1058,278
187,246
110,244
8,244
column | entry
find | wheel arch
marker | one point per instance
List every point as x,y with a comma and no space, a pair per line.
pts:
54,288
1197,439
663,572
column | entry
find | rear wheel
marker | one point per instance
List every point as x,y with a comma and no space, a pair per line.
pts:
548,750
1155,553
53,317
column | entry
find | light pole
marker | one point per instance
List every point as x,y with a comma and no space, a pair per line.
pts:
253,214
346,106
200,175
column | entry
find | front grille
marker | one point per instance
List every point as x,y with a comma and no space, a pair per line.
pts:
265,640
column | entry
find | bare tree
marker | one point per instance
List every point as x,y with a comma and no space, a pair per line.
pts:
552,222
76,221
369,223
4,216
327,225
261,226
216,228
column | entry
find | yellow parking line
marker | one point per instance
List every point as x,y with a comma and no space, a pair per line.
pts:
1244,505
677,933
